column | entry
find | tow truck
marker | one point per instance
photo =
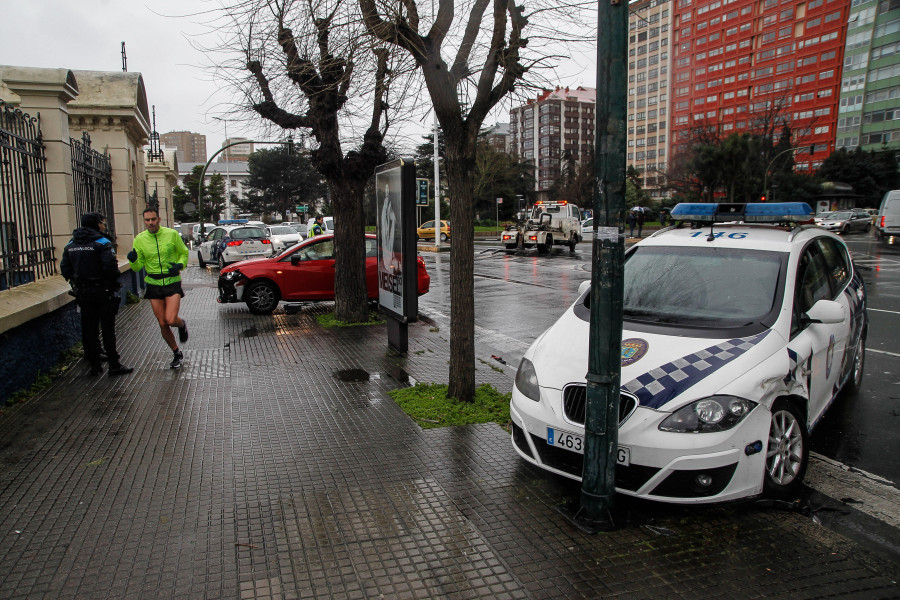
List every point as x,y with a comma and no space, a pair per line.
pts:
550,223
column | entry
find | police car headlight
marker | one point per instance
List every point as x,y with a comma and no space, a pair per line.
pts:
715,413
527,381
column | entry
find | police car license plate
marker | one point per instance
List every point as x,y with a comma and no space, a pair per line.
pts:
575,443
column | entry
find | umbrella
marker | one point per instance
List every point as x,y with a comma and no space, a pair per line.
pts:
638,209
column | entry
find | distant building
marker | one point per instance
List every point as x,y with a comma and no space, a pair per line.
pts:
868,114
238,153
556,125
498,136
751,65
234,174
189,147
649,49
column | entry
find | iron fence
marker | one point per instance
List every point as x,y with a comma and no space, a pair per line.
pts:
26,244
92,176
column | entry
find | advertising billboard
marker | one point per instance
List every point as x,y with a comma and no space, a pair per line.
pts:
395,192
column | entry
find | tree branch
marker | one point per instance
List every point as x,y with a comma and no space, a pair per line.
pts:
269,109
473,26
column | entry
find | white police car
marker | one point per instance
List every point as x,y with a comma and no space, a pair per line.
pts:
736,339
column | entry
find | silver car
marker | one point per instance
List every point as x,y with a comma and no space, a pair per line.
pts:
845,221
228,244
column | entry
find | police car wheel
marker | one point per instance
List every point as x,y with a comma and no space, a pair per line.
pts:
222,263
261,298
787,453
200,259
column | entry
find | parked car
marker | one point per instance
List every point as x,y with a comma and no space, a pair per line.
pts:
888,221
196,236
303,272
845,221
737,337
872,212
228,244
283,237
301,228
425,231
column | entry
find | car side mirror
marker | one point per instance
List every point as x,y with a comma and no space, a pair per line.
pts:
295,258
584,286
828,312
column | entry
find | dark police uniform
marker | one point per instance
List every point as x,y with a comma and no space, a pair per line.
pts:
89,264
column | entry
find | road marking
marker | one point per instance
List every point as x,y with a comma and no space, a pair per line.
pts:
893,312
882,352
873,495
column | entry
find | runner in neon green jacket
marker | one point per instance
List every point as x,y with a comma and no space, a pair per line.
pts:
162,253
157,252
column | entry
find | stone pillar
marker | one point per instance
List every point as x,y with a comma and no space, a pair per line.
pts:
112,109
46,93
162,177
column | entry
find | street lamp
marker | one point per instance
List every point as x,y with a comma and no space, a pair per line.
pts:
765,192
227,170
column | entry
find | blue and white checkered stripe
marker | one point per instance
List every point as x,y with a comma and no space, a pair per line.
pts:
792,367
656,387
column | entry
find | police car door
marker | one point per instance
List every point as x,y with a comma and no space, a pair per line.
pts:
819,347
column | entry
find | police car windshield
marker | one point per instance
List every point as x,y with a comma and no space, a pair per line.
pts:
708,287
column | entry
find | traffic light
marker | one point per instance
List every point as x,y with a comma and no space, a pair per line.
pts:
762,198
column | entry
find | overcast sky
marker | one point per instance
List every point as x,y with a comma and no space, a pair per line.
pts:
87,35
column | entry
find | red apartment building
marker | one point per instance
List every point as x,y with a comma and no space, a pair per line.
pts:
740,63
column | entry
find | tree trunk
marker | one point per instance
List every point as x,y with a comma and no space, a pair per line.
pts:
461,176
350,302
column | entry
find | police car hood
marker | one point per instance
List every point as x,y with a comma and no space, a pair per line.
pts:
663,371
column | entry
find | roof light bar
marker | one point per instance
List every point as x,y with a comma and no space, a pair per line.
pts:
773,212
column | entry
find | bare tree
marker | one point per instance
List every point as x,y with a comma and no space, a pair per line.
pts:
486,41
308,65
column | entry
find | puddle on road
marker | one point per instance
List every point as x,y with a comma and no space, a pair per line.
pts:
351,375
357,375
400,375
252,332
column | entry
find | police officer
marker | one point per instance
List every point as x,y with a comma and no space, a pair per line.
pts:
317,227
89,264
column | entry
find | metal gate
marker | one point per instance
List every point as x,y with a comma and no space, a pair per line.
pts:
26,245
92,176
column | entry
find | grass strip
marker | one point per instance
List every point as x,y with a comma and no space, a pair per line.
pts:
429,406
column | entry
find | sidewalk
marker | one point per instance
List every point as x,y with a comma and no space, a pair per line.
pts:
261,469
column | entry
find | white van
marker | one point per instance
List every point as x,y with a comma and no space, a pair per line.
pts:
195,233
888,220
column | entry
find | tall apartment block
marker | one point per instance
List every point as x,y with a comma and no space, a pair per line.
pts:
739,65
869,113
648,90
189,147
550,129
238,152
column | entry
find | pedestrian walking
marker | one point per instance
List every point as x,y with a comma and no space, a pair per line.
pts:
632,221
162,253
662,220
89,264
640,222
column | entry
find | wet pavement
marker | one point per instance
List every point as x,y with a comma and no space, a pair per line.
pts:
275,465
